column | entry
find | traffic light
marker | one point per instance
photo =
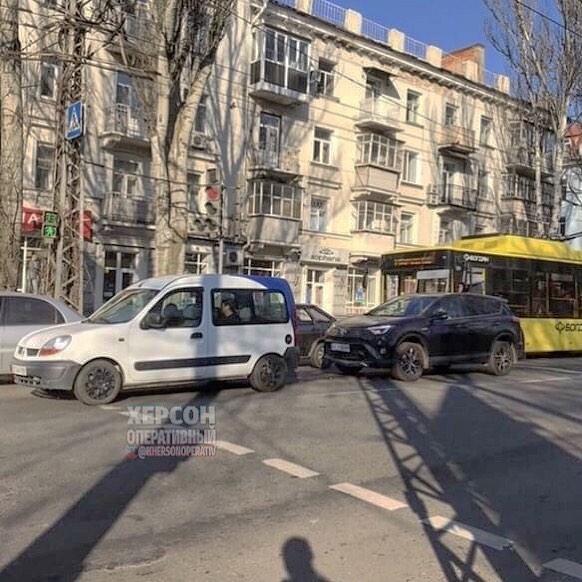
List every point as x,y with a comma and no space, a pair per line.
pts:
50,224
208,220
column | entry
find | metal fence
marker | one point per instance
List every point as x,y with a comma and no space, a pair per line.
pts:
329,12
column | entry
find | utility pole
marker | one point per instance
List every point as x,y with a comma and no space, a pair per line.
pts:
66,276
11,145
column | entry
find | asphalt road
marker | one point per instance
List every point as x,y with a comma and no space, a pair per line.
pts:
460,477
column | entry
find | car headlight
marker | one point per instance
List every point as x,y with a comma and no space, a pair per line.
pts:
55,345
332,329
379,329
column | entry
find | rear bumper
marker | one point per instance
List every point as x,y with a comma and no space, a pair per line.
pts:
53,375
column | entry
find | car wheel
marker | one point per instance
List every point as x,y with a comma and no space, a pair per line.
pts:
317,355
269,374
502,357
98,382
409,364
348,370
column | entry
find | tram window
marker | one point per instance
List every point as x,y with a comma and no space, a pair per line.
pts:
539,304
562,294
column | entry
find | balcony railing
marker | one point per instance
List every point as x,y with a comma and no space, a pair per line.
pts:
126,121
286,162
458,138
138,26
525,157
452,195
128,209
379,112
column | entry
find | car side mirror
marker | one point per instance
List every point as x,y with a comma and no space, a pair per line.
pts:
439,315
154,321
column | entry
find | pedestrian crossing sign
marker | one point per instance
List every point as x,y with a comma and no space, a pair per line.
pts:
74,121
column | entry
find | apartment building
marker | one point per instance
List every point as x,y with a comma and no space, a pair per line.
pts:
333,139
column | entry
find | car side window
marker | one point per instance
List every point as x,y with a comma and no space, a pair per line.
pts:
303,316
30,311
318,316
181,308
453,306
248,307
481,305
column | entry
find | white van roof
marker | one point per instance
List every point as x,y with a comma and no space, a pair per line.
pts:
216,281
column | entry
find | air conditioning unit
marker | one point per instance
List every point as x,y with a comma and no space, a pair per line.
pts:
199,141
234,257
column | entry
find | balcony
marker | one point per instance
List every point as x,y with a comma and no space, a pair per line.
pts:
284,165
132,210
457,140
452,197
379,114
136,32
273,229
125,128
278,83
522,159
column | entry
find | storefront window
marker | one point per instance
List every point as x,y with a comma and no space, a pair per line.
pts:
315,287
262,268
119,272
362,290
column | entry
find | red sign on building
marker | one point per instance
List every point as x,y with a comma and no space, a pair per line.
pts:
32,219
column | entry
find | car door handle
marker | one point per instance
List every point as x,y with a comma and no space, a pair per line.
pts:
196,335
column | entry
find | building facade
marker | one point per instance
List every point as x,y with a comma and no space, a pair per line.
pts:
332,139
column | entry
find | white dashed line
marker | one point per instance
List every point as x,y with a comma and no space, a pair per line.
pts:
565,567
468,532
542,380
108,407
369,496
290,468
232,448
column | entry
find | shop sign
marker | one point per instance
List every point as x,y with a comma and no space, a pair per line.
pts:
476,258
32,219
325,255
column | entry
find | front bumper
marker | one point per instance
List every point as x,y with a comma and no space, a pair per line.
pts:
49,375
361,354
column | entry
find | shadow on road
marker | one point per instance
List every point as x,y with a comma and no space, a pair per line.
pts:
494,472
298,558
61,551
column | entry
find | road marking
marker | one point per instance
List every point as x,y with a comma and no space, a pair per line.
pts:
290,468
108,407
369,496
232,448
549,369
565,567
557,379
468,532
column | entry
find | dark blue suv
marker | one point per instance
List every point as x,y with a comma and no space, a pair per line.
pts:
411,333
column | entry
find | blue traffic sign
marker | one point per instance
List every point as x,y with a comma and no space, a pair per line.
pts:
74,121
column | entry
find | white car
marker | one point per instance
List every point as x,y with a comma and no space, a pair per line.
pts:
168,331
21,314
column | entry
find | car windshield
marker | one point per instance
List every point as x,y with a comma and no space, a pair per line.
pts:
401,306
124,306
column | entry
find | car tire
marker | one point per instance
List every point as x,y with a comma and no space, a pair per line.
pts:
317,355
502,358
348,370
269,374
409,362
98,382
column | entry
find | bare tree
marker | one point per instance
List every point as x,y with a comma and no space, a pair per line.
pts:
542,43
185,38
11,145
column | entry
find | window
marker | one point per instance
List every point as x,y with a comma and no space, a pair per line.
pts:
483,189
125,177
181,308
325,80
201,112
452,305
482,305
318,315
412,107
48,78
275,199
124,307
512,284
445,232
451,112
196,263
248,307
411,167
43,176
193,193
406,234
318,214
303,315
315,286
485,131
322,146
362,288
280,59
119,272
562,226
374,217
262,268
29,311
379,150
562,294
373,87
269,139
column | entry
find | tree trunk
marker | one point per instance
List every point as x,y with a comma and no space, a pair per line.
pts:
11,145
540,228
558,170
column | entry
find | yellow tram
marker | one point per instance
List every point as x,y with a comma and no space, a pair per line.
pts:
541,280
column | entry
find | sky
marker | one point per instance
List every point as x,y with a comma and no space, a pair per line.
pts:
448,24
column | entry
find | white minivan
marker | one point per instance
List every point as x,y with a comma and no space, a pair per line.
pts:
169,331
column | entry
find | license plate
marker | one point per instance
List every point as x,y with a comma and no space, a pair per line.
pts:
340,347
19,370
